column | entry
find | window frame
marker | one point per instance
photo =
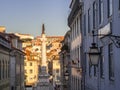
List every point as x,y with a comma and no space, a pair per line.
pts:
84,24
94,14
31,71
31,64
119,4
101,11
111,62
110,8
90,67
89,20
102,73
0,70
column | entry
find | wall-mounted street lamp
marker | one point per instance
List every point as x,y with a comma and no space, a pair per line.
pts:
94,53
66,75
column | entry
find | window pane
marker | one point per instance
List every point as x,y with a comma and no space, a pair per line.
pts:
94,15
100,11
109,8
88,20
111,62
102,63
85,25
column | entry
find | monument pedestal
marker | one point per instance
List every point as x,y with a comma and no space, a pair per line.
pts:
43,83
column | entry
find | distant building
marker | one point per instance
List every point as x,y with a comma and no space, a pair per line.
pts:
53,48
32,48
31,59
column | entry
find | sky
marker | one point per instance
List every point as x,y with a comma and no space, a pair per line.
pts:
27,16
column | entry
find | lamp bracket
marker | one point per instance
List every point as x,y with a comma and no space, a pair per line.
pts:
114,38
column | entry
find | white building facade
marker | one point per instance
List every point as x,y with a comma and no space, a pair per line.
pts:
74,22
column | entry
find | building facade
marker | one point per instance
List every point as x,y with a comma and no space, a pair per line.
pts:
65,62
102,17
5,48
16,63
12,62
31,48
53,48
75,24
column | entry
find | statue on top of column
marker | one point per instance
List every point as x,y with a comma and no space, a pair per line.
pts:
43,29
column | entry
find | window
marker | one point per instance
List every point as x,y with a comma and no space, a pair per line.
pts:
0,69
110,8
77,26
58,78
95,71
90,70
119,4
57,70
8,72
111,62
31,71
100,11
7,68
78,56
75,29
94,15
102,63
3,69
25,64
73,32
25,71
88,20
84,25
30,63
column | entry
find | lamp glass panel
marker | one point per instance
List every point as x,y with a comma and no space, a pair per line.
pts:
94,55
94,59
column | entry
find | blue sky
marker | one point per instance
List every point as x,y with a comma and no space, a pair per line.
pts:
27,16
